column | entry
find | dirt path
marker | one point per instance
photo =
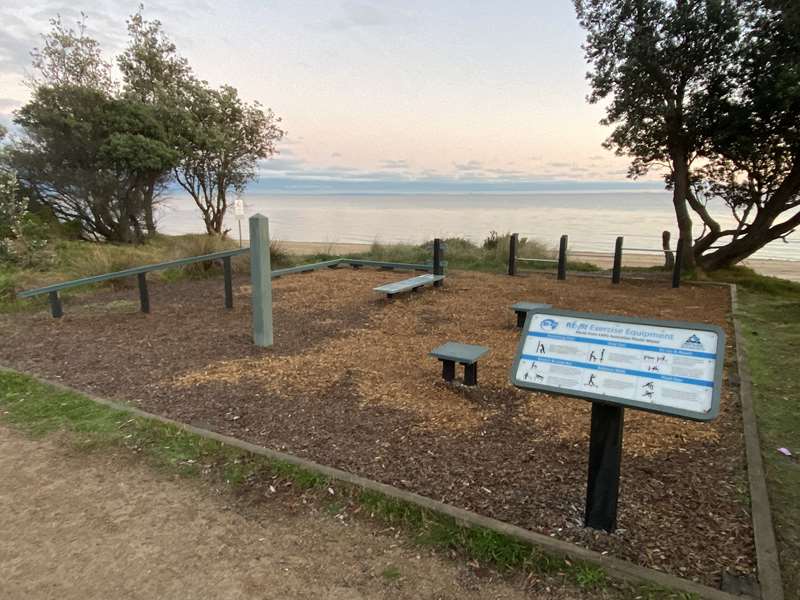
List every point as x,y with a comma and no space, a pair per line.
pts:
83,525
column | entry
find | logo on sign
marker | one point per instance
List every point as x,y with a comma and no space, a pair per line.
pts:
693,342
549,324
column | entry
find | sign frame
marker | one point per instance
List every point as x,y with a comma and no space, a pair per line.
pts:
712,413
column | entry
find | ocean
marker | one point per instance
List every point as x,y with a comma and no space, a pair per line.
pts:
591,220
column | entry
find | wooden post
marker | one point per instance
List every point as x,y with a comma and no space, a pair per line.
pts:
605,455
616,273
261,279
562,258
512,254
669,257
437,260
144,295
676,270
227,274
55,305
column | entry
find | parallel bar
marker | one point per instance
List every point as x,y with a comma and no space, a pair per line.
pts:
308,267
397,265
605,455
616,273
130,272
144,295
562,258
228,275
55,305
676,270
544,260
512,254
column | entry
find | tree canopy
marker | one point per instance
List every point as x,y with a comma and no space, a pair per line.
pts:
706,91
100,152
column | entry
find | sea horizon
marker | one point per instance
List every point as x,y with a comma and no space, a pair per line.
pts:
591,218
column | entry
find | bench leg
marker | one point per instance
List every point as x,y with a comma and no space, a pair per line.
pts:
521,318
144,296
448,369
471,374
416,289
55,305
389,296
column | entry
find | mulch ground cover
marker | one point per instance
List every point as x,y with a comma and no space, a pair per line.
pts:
349,384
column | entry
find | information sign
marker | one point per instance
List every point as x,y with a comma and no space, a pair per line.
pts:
666,367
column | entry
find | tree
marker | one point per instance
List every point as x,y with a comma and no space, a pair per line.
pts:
89,157
151,68
154,74
70,57
226,139
656,61
90,154
755,139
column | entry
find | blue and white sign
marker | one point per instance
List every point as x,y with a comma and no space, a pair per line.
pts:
659,366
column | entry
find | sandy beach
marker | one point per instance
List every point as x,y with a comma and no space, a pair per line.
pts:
785,269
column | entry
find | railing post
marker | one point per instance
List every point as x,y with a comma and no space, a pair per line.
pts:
261,278
676,270
562,258
616,273
55,305
144,295
227,274
512,254
437,260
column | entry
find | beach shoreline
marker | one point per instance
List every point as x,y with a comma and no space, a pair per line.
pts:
785,269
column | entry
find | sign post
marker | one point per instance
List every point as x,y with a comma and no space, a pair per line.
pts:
238,210
667,367
261,279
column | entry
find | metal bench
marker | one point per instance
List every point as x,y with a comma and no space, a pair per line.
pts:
412,284
451,353
523,308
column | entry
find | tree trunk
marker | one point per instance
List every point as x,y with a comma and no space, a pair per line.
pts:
680,165
732,253
148,199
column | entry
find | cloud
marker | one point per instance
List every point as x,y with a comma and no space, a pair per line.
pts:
394,164
362,15
336,154
471,165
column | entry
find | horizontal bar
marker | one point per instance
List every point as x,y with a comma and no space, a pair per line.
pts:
547,260
659,250
308,267
380,263
129,272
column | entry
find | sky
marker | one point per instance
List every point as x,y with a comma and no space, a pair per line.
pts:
444,96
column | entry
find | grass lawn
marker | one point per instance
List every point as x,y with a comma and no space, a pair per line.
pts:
769,310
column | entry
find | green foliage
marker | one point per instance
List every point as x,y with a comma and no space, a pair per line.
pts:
695,89
22,234
221,146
